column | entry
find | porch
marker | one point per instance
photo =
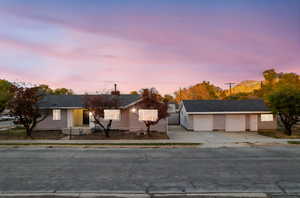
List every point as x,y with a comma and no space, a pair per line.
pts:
79,122
79,118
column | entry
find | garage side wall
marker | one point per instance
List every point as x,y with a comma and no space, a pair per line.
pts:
266,125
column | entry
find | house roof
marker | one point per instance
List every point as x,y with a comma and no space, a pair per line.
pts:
77,101
195,106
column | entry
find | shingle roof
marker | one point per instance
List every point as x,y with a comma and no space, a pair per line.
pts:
71,101
224,105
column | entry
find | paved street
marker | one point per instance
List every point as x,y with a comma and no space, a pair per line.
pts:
261,169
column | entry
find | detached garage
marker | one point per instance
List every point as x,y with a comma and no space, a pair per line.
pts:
226,115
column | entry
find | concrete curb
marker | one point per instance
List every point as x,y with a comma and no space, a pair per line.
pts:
129,195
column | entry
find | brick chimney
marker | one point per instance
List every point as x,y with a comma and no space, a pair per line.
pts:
115,92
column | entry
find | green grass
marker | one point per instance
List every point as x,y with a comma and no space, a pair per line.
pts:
279,134
96,144
294,142
16,132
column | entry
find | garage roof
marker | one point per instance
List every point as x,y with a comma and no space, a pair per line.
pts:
194,106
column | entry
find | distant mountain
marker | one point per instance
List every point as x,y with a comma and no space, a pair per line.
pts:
246,86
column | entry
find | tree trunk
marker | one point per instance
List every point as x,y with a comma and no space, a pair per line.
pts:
288,130
287,126
106,133
28,132
148,130
107,129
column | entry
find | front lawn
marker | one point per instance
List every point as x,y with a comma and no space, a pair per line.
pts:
121,135
280,134
19,133
294,142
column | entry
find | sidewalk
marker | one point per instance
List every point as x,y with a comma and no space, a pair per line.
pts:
179,135
204,142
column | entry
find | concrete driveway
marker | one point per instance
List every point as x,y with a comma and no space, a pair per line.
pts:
218,138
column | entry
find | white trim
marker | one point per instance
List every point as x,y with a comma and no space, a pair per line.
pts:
228,112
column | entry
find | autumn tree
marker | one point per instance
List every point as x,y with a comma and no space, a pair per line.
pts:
133,93
5,94
25,105
270,76
201,91
152,100
96,104
284,100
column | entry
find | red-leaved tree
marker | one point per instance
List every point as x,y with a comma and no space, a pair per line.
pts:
152,100
96,104
25,106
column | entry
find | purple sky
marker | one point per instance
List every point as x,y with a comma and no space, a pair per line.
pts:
167,44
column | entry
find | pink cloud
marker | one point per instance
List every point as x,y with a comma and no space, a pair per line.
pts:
164,54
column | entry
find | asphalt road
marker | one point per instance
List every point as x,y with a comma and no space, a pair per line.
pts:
262,169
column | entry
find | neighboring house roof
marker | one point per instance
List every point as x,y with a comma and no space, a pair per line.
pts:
77,101
201,106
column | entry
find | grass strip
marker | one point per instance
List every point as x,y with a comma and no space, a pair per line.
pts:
97,144
294,142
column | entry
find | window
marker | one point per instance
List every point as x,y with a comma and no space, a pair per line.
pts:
266,117
111,114
56,114
148,114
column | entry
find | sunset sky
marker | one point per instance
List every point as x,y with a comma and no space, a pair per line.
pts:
88,45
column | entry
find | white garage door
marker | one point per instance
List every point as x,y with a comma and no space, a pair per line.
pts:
203,122
235,123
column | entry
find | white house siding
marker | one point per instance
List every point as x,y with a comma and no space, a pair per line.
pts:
219,122
252,122
266,125
50,124
122,124
186,120
136,125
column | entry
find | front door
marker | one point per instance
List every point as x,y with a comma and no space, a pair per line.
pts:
86,117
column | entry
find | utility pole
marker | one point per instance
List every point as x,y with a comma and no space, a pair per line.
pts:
230,86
